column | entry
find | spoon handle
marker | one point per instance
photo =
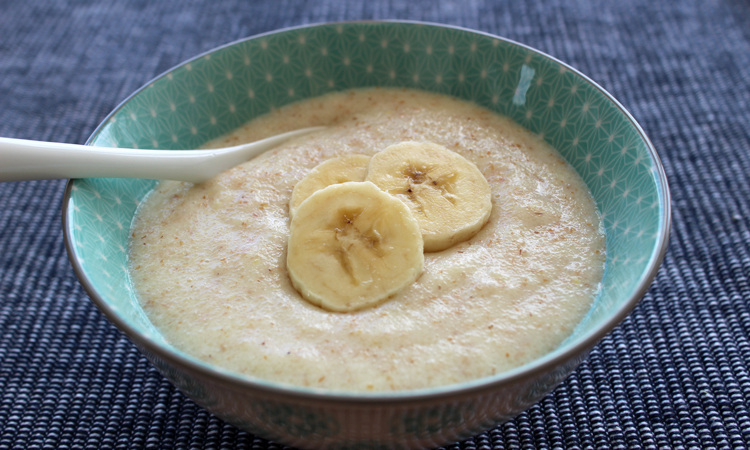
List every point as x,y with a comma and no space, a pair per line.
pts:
34,160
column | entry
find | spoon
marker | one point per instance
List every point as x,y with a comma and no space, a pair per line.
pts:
22,160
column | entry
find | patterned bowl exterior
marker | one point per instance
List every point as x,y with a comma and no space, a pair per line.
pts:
217,92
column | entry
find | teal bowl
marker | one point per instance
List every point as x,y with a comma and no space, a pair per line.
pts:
219,91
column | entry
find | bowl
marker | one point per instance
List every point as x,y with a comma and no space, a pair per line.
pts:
218,91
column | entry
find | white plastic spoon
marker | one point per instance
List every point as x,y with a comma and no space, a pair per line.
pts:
33,160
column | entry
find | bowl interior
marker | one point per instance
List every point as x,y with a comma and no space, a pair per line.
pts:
219,91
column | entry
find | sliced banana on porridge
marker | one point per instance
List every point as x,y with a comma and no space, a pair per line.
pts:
334,171
449,196
352,246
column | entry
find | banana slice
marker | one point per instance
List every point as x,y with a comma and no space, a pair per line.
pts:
334,171
351,246
448,195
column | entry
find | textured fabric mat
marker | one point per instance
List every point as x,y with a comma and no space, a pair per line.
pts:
674,374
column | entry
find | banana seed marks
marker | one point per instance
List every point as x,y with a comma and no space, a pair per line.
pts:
351,239
423,181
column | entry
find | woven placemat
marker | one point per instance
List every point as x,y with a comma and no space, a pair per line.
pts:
674,374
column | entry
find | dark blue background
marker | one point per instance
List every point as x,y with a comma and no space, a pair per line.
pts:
674,374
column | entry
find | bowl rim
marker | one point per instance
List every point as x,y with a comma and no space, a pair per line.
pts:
473,387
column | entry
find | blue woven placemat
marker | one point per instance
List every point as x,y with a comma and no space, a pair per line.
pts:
674,374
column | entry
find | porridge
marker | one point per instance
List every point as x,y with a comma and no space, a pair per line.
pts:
209,261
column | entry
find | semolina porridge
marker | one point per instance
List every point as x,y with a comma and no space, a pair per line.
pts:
209,261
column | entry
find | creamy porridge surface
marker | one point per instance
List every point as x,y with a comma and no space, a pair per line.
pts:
208,260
